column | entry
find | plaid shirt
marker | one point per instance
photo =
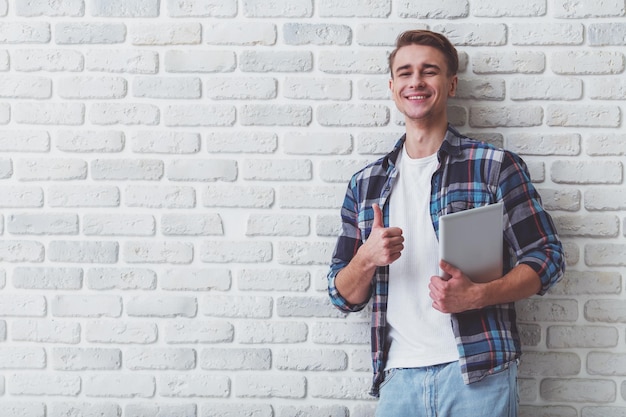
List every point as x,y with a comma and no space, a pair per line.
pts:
470,174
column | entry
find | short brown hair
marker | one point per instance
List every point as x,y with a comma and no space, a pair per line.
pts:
427,38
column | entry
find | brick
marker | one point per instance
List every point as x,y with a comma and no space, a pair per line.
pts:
585,172
275,332
432,9
566,144
83,251
547,34
314,143
152,358
384,34
376,143
187,331
20,305
85,409
166,34
583,116
605,311
607,89
578,390
24,409
185,386
328,226
199,115
351,115
127,169
241,142
235,251
569,337
44,384
275,61
516,8
108,141
241,88
508,115
24,141
523,62
199,61
118,225
72,8
336,333
247,33
588,282
121,8
304,253
548,411
167,87
120,332
83,196
587,9
481,89
48,278
590,225
23,32
277,170
119,385
538,310
160,196
275,115
266,386
49,113
298,306
317,88
470,34
273,280
86,306
202,8
314,411
160,142
558,364
277,225
69,33
339,171
317,34
22,357
278,8
373,89
353,62
121,279
171,252
155,410
340,388
354,8
25,87
191,224
165,306
30,60
120,60
36,169
605,198
21,251
83,359
235,359
601,34
587,62
546,88
238,196
125,114
599,411
202,170
42,224
196,280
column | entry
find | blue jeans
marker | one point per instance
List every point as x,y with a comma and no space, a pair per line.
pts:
439,391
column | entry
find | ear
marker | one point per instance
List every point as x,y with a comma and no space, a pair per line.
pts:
454,80
391,84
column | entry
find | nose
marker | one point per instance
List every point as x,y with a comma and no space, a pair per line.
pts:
417,81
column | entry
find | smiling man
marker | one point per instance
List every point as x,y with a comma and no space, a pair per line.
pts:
444,347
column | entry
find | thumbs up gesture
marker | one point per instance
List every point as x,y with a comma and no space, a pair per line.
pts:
384,244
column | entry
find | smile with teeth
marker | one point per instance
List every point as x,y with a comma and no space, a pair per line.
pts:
416,97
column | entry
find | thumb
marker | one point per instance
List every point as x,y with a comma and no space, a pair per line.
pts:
378,216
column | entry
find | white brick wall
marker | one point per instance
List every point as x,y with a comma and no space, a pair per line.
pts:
171,172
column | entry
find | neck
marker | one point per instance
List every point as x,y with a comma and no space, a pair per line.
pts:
421,143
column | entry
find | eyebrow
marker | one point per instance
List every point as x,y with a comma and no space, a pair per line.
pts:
424,66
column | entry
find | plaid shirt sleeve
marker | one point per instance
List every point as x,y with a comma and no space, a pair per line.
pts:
530,232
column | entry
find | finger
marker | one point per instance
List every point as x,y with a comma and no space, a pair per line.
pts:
378,216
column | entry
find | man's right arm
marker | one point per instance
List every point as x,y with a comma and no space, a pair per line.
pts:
382,247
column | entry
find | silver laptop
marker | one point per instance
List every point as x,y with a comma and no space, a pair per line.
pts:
471,240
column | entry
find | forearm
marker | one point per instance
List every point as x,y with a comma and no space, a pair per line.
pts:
354,281
520,283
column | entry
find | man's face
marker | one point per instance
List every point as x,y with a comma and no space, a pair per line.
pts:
420,84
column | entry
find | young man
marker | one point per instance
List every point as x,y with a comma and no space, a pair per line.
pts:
445,347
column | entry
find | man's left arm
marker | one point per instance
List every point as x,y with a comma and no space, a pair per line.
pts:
532,236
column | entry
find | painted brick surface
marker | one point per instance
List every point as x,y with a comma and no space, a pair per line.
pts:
172,173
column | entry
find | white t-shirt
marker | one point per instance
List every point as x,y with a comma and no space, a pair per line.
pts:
419,335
